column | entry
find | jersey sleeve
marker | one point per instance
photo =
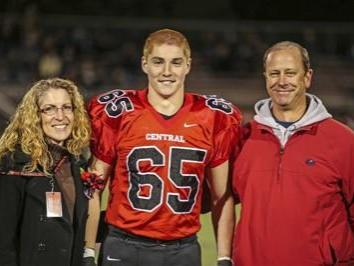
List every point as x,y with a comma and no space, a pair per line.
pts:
227,130
104,130
245,133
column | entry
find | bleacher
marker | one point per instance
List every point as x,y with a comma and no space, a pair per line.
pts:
102,53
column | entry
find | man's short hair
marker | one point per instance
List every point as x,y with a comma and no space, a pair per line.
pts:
288,45
166,36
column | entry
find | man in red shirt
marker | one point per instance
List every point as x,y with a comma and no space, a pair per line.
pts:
295,174
159,145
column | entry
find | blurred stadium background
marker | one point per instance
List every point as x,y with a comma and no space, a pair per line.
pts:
98,44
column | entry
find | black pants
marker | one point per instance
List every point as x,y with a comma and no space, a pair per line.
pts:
123,249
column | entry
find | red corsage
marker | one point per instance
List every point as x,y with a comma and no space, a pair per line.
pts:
91,182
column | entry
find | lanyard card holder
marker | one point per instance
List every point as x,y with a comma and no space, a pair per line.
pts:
53,202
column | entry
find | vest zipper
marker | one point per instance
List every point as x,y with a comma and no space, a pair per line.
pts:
281,152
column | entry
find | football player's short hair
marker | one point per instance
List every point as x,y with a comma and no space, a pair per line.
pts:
289,45
166,36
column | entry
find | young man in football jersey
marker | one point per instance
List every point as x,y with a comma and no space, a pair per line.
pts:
158,145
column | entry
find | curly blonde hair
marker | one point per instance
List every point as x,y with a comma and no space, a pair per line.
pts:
25,129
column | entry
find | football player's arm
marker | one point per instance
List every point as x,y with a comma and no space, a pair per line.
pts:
102,169
222,208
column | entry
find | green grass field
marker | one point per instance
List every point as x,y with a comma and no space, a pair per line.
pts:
207,240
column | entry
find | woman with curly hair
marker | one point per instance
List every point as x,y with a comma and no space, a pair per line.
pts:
43,209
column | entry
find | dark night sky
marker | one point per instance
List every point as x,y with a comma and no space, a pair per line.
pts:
304,10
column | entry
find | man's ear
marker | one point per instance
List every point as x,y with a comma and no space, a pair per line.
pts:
144,64
189,65
308,78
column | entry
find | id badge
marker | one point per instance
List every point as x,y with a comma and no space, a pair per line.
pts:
54,206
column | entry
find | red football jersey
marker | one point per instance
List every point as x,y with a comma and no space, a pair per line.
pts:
159,164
